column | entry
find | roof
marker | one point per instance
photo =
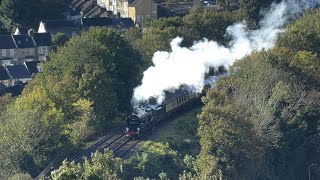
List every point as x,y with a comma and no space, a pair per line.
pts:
23,41
32,66
7,42
55,24
42,39
173,96
15,90
97,21
133,2
3,74
127,22
104,21
18,72
21,30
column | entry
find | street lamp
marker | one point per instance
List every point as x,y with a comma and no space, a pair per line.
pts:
309,169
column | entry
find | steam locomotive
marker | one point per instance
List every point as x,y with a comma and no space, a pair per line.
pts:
149,116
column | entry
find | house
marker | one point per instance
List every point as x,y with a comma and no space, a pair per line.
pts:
7,48
15,90
16,49
70,28
18,73
4,76
139,10
25,47
33,67
43,43
116,23
21,31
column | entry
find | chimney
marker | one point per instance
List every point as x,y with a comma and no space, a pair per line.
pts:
30,32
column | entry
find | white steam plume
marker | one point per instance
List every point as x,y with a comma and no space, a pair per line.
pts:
189,65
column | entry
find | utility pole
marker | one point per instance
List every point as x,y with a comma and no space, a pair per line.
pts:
309,169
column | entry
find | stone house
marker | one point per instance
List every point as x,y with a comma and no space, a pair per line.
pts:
137,10
16,49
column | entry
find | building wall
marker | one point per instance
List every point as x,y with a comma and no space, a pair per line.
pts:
7,53
132,13
144,9
42,52
23,52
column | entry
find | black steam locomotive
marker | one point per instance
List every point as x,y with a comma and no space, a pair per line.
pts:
149,116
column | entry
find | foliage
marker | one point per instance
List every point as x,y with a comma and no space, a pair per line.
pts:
212,25
181,134
153,159
102,166
304,34
82,91
60,39
20,176
157,34
260,118
29,13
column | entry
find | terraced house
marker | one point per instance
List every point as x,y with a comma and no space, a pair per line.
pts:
137,10
20,47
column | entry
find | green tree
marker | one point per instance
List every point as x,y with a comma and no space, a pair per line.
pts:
153,159
303,34
29,13
103,166
60,39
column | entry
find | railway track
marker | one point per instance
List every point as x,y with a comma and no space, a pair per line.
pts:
101,144
124,148
116,141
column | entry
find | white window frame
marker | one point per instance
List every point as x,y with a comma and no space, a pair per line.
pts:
4,53
43,50
11,52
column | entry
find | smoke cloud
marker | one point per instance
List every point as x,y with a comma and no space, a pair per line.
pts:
189,65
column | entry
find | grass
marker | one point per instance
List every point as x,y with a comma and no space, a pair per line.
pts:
180,133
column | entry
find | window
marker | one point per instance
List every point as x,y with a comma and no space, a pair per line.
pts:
43,50
4,52
11,52
139,18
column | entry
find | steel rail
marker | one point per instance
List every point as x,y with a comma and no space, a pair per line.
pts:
128,149
106,138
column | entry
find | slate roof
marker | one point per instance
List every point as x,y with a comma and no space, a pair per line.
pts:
56,24
96,22
104,21
22,30
32,66
127,22
18,72
15,90
3,74
133,3
42,39
7,42
130,1
23,41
